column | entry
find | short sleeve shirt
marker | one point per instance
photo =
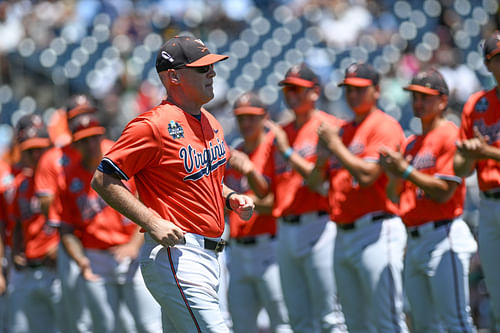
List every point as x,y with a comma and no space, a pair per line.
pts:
178,163
482,111
432,154
348,200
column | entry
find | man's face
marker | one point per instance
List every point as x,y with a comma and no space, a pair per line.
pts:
299,99
250,126
361,99
197,82
427,107
89,147
493,66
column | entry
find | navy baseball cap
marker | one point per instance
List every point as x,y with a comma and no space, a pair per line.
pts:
360,75
249,103
31,133
185,51
491,46
300,75
429,82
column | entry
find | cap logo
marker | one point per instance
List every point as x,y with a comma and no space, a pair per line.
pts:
202,46
166,56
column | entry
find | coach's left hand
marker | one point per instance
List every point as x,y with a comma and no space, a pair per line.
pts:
242,205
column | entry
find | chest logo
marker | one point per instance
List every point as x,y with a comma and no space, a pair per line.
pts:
481,105
175,130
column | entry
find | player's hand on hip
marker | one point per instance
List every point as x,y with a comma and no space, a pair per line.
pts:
86,270
242,205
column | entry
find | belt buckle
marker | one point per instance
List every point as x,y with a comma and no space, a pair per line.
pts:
220,245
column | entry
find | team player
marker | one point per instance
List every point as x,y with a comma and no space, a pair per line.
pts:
177,154
431,199
102,242
48,181
254,274
479,149
368,256
306,238
33,235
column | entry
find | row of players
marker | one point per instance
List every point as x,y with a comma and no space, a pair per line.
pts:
385,193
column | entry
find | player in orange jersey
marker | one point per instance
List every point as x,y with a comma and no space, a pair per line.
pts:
306,237
177,154
431,199
47,184
368,257
33,234
479,149
103,243
254,274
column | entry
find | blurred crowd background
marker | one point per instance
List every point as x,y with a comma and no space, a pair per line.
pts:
52,49
106,48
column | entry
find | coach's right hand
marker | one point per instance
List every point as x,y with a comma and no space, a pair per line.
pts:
165,232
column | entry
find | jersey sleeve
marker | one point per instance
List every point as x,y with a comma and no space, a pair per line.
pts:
47,179
387,134
444,161
137,148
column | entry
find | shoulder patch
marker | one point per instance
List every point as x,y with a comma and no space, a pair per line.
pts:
175,130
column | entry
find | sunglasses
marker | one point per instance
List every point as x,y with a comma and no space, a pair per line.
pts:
294,88
200,69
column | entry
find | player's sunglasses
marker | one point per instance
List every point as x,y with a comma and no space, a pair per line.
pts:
292,88
200,69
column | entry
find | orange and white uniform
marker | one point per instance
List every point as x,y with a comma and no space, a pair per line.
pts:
368,254
178,162
254,274
482,111
348,200
306,237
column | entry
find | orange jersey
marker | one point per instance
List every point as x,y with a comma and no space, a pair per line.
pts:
177,162
38,236
96,224
6,200
258,224
49,177
433,155
482,111
349,201
291,193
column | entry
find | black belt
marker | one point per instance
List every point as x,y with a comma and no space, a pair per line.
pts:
492,194
295,219
216,246
375,218
250,240
415,233
34,263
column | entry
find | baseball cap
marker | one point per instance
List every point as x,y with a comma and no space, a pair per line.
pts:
429,82
300,75
85,125
491,45
360,75
79,104
185,51
31,133
249,103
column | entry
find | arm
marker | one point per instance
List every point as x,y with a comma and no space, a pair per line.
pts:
365,173
317,177
239,203
75,250
242,163
116,194
129,249
297,162
437,189
472,150
45,202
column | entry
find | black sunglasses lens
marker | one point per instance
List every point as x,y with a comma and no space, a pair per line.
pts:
202,69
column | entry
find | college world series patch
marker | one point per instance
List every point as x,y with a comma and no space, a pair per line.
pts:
175,130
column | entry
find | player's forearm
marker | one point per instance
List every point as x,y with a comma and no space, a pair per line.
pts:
118,197
301,165
365,173
258,183
316,177
45,202
394,188
74,248
492,153
463,167
436,189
